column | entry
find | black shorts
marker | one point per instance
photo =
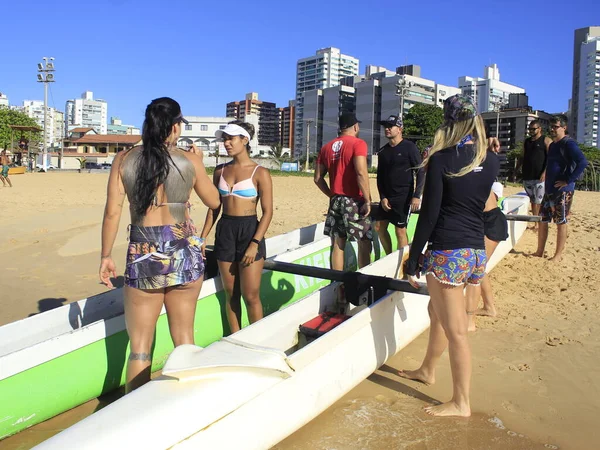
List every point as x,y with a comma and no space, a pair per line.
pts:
400,212
495,225
233,236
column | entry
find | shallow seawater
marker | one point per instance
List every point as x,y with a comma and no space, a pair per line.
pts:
400,423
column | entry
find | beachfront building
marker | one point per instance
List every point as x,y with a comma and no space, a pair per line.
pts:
267,113
85,144
116,127
201,132
488,93
35,110
585,115
3,100
323,70
585,83
86,112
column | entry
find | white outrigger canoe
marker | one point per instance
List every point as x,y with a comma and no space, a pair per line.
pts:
59,359
258,386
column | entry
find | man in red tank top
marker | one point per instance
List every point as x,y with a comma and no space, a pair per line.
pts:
345,159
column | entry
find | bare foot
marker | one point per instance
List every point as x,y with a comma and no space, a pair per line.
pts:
538,254
448,409
556,258
485,312
417,375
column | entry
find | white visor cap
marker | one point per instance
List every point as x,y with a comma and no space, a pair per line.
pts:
232,130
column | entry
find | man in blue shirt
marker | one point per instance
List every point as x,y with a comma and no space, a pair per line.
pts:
564,166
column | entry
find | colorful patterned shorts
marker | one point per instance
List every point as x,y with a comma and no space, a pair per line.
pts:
163,256
456,267
344,219
557,207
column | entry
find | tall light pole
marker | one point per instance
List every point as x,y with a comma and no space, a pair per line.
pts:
308,124
402,87
45,76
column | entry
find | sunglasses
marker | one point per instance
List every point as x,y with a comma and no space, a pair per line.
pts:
556,127
533,129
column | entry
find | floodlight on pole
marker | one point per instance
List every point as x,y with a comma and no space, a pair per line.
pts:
402,87
46,76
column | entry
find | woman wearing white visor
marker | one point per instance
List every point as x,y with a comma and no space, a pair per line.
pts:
239,239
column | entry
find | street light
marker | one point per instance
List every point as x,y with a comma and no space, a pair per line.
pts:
402,87
308,124
45,76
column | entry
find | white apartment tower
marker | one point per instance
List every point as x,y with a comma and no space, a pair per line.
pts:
35,110
321,71
488,93
87,113
589,93
586,87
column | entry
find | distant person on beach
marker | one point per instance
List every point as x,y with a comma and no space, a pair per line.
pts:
396,167
345,159
535,154
240,236
4,162
495,227
460,174
565,165
164,259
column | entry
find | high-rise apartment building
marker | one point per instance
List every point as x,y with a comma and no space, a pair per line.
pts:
86,112
323,70
267,113
35,110
583,124
582,36
488,93
3,100
287,117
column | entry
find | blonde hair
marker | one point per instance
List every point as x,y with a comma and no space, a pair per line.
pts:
450,134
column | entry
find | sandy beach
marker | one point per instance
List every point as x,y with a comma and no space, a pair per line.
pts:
534,364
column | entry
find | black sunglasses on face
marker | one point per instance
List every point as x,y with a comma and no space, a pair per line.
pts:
555,127
533,129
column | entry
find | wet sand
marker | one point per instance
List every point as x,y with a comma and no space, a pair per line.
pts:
534,365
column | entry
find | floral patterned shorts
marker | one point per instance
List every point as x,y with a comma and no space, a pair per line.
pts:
344,219
456,267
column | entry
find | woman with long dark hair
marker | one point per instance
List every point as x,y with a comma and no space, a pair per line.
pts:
164,259
460,173
240,236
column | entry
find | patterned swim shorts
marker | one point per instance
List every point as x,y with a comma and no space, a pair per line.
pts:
535,190
344,219
163,256
557,207
456,267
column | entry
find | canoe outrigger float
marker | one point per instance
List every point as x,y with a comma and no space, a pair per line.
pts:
254,388
56,360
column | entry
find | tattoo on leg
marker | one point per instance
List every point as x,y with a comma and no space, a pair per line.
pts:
140,357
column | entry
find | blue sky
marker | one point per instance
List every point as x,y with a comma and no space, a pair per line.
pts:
207,53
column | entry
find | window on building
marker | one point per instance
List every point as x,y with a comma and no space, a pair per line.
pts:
203,127
188,127
222,127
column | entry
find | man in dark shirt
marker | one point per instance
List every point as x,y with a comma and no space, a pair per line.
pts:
565,165
535,149
397,162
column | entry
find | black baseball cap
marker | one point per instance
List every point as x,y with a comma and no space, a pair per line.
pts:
347,120
391,121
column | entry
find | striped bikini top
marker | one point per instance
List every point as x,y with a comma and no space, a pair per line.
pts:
242,189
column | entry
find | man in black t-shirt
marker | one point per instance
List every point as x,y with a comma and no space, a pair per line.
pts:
535,152
397,163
